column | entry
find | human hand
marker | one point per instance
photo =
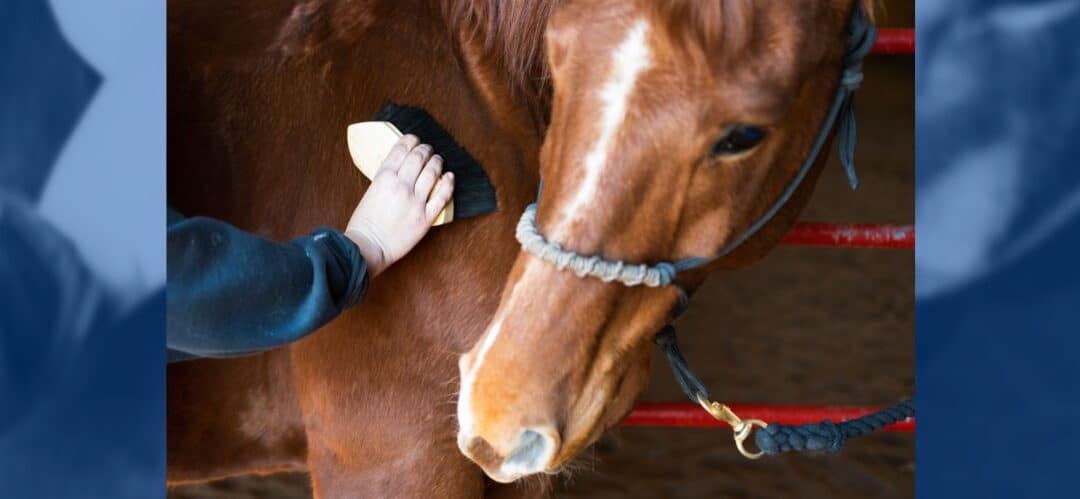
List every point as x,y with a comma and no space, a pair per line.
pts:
406,195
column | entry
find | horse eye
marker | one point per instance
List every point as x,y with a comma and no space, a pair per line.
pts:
740,138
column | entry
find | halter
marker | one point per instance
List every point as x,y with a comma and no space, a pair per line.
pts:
773,438
863,34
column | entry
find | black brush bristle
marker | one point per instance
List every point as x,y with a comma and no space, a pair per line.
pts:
473,193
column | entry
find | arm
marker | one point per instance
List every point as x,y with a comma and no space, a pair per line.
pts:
232,293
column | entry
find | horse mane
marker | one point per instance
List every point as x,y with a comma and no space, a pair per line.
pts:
511,31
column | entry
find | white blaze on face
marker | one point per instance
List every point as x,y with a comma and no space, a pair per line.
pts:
629,59
468,375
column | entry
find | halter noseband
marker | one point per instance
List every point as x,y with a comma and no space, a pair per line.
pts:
862,36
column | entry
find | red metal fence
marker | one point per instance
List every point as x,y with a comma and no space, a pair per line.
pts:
820,234
691,415
895,41
833,235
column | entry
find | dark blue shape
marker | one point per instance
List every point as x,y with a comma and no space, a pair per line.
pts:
100,433
44,88
996,371
49,301
81,379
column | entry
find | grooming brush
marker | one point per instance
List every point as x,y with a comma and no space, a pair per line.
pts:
370,142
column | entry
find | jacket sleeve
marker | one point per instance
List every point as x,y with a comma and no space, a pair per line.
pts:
232,293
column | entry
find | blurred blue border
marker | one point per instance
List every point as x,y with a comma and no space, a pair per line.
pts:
998,223
82,134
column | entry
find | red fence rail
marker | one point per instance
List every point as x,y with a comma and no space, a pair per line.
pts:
896,41
690,415
878,236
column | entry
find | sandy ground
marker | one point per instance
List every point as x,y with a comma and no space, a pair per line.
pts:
805,326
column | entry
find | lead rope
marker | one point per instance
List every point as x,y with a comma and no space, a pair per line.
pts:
827,436
775,438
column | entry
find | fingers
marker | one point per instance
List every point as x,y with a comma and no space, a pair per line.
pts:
443,191
428,176
413,162
404,145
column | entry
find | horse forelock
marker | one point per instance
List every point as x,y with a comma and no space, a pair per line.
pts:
721,32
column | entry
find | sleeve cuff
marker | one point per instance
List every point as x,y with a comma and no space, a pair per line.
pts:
346,269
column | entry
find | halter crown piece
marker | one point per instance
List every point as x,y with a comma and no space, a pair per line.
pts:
863,34
771,438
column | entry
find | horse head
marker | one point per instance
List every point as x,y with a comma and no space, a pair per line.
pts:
674,125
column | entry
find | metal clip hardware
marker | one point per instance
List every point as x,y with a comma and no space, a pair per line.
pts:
742,428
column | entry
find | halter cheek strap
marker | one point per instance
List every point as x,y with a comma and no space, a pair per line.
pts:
863,34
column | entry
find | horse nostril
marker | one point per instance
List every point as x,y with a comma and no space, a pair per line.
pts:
479,450
534,452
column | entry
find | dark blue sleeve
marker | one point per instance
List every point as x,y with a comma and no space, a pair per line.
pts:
232,293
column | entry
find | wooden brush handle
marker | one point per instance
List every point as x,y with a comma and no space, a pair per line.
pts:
369,144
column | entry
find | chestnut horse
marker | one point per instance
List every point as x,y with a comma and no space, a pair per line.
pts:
627,107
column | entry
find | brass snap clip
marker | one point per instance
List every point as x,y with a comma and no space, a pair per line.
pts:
741,428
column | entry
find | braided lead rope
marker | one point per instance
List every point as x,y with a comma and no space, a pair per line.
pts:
775,438
659,275
828,437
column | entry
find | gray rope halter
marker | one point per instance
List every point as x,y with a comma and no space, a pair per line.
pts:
661,274
862,36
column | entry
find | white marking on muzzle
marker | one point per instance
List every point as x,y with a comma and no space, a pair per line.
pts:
629,59
468,376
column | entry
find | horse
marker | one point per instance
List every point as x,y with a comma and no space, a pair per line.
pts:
660,128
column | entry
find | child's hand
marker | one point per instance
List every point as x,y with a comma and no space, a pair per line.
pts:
397,210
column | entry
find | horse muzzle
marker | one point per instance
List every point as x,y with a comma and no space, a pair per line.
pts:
532,450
